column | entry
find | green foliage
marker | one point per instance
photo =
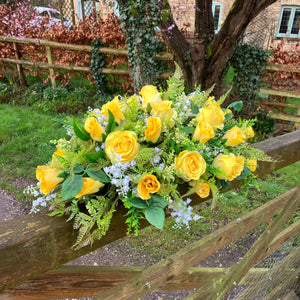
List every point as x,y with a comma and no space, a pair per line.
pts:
139,23
248,62
97,65
55,94
264,125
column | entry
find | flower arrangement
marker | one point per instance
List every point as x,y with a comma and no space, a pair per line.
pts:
138,151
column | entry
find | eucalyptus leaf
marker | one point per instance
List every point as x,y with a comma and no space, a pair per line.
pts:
158,200
93,157
78,169
237,106
155,215
138,203
71,187
246,171
188,129
98,175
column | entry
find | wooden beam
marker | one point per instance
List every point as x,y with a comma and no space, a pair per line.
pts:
89,281
36,243
282,93
285,117
283,68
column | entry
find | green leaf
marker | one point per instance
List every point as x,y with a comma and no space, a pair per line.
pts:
155,215
79,130
238,105
225,184
93,157
138,202
158,200
111,123
244,173
188,129
63,175
71,187
78,169
228,116
98,175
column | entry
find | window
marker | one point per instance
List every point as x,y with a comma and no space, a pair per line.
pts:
217,13
289,22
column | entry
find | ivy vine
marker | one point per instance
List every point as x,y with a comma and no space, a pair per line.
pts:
248,62
139,19
97,65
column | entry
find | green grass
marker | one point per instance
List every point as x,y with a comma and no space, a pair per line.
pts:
25,136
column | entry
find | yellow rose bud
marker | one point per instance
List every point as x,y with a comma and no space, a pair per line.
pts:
211,102
202,188
163,110
90,186
56,162
213,115
115,107
234,136
251,164
248,132
58,152
47,176
190,165
148,92
148,184
203,132
153,130
94,129
229,166
121,146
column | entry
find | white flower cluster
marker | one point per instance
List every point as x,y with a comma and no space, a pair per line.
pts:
116,173
40,201
184,106
102,119
182,212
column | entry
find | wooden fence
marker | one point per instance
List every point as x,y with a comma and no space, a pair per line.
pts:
49,65
33,248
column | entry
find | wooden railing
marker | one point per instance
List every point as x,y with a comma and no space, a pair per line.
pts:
49,65
33,247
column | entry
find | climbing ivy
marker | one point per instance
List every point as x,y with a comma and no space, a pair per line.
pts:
139,20
248,62
97,65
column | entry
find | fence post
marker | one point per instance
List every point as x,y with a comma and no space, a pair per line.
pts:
297,124
19,67
51,71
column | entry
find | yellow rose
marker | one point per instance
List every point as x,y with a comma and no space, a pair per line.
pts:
190,165
56,157
94,129
202,188
123,144
148,184
203,132
90,186
211,102
148,92
213,115
251,164
153,130
234,136
163,110
248,132
115,107
230,166
47,176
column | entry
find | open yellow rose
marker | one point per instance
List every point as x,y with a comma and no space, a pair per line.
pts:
90,186
149,95
203,132
190,165
212,115
153,131
202,188
163,110
147,185
229,166
248,132
47,176
251,164
123,145
94,129
234,136
115,107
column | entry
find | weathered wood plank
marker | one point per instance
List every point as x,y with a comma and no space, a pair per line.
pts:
285,117
279,104
283,93
283,68
159,274
37,243
87,281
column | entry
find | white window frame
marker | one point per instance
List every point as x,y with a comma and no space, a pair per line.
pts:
214,4
290,22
